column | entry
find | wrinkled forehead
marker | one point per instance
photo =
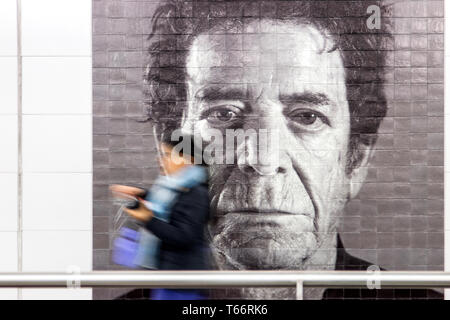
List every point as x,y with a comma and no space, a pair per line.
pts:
279,50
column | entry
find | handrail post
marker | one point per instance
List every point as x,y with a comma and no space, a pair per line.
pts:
299,289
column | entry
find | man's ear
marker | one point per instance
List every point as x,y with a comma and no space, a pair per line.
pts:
359,172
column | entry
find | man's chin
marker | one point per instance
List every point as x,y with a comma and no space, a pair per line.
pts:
263,241
264,259
264,250
271,259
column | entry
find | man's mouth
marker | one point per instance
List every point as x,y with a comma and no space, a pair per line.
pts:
265,212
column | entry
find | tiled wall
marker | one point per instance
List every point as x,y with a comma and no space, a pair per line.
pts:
46,184
397,221
447,145
46,130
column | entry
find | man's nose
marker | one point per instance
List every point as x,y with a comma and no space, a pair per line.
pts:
260,154
262,170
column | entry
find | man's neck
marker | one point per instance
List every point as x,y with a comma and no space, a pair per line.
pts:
324,258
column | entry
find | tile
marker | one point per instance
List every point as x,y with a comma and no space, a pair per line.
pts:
68,208
8,143
57,143
447,211
447,258
8,294
8,260
57,85
57,294
8,27
8,85
56,27
57,251
446,139
447,250
8,190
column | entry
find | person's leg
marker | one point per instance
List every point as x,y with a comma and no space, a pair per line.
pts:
173,294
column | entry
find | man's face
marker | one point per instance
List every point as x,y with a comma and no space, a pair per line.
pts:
279,77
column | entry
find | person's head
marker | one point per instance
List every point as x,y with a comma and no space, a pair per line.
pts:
177,152
311,70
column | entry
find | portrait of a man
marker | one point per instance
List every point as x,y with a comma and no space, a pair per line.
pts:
314,72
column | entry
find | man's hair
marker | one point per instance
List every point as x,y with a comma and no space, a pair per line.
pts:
176,24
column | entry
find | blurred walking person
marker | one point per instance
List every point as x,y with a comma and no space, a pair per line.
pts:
175,211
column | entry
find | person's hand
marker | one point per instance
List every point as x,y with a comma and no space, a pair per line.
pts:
142,213
122,191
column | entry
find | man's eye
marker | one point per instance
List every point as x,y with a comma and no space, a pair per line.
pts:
222,116
308,118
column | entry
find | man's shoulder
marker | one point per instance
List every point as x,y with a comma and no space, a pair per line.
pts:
346,261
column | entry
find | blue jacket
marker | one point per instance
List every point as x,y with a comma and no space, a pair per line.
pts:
183,243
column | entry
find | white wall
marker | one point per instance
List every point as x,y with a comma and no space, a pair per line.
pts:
46,141
8,142
447,144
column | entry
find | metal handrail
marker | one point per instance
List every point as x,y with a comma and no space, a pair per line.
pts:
221,279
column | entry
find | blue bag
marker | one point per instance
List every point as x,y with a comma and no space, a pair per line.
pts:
125,247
